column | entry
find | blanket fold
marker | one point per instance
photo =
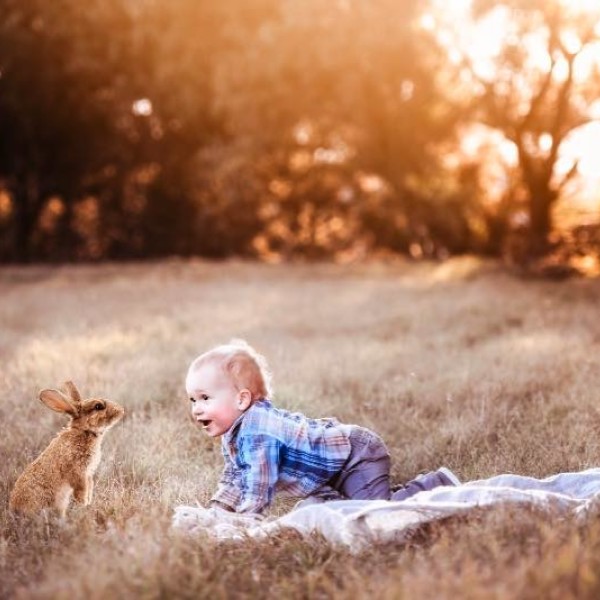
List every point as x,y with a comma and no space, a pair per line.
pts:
357,524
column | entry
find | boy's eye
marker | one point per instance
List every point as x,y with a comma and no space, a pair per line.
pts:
200,397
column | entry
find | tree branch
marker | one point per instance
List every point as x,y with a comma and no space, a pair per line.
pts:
568,176
538,98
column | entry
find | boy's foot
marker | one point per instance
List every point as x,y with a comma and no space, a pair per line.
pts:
446,474
427,481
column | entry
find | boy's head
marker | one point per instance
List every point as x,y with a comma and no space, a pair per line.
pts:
224,382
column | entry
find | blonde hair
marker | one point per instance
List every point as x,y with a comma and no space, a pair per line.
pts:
246,368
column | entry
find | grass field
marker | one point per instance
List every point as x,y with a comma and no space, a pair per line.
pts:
458,364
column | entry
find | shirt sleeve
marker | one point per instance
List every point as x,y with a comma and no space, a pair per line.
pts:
228,492
260,458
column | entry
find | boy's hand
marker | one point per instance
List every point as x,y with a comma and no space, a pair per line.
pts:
193,519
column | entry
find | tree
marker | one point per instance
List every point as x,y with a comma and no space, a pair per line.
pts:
111,105
57,107
355,85
537,93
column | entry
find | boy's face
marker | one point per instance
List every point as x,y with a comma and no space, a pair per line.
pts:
215,402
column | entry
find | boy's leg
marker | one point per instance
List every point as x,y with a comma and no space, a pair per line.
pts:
366,474
427,481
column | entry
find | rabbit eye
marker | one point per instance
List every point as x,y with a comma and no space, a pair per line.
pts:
99,406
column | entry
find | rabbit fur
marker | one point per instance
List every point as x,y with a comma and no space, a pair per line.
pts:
66,467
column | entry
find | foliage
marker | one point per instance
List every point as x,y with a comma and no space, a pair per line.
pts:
272,129
538,104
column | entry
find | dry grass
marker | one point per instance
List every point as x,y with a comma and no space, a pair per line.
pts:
456,364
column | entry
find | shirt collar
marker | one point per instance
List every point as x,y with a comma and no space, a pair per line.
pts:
231,432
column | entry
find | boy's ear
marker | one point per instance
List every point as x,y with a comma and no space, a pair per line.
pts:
244,399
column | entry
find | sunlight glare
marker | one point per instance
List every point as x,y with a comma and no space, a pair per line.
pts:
427,22
571,42
587,61
594,110
581,6
583,145
561,70
545,142
540,58
142,107
479,43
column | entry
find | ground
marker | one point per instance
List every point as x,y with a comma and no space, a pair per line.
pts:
458,364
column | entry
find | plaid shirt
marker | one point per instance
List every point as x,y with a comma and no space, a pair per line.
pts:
270,449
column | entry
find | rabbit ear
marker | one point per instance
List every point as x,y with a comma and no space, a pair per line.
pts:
58,401
72,391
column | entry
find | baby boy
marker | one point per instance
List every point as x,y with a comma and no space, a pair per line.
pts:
268,449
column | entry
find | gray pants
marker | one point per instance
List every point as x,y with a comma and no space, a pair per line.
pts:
364,476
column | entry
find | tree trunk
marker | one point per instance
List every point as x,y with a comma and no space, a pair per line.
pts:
26,203
65,243
540,222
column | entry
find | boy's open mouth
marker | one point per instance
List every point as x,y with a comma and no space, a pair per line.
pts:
205,423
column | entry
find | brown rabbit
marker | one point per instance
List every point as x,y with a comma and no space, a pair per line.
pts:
67,466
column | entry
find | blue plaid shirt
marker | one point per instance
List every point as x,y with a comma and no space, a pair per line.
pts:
269,449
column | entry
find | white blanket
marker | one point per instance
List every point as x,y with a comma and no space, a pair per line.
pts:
359,523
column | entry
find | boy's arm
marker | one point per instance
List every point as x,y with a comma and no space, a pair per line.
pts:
229,490
259,455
